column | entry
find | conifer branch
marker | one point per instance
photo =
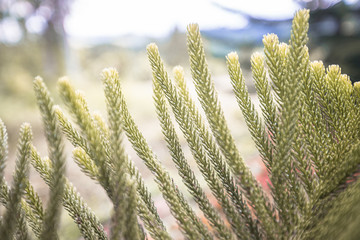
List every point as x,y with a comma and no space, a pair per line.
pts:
209,101
22,232
118,157
100,122
182,165
131,226
251,116
70,132
85,163
151,222
3,149
25,212
301,158
348,167
265,95
179,207
208,98
186,125
78,107
309,116
342,215
217,161
147,212
276,55
340,106
256,128
87,222
34,201
56,154
288,125
316,132
33,209
13,206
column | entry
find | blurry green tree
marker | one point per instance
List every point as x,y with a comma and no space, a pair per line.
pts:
32,39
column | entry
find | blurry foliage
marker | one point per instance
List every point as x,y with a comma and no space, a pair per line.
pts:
333,23
18,67
32,40
335,30
95,58
175,47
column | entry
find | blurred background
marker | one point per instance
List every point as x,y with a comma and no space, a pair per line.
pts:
79,38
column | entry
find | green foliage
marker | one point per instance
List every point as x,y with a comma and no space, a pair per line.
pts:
13,220
307,134
56,154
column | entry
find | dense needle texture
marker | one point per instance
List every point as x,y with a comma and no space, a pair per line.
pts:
306,132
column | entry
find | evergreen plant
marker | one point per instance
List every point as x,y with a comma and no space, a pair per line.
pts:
307,134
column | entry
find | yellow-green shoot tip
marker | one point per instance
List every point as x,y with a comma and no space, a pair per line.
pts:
38,79
357,86
109,73
152,47
232,57
78,151
302,13
178,70
317,65
270,38
25,128
257,56
57,108
64,81
193,27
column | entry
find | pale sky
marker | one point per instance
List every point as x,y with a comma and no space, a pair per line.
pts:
156,18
